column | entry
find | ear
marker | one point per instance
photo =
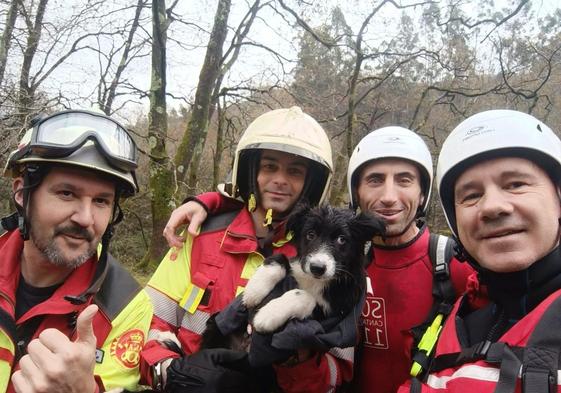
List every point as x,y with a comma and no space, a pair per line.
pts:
421,200
365,226
296,218
17,186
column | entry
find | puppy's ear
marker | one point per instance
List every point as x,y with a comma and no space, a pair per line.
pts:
365,226
296,218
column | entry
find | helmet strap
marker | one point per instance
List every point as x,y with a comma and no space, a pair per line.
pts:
251,203
32,177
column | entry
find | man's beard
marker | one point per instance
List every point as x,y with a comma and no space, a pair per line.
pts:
52,252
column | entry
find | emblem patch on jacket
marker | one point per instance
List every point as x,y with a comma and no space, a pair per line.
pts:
374,320
126,348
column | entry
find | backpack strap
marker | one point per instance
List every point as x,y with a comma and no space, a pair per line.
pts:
541,357
441,252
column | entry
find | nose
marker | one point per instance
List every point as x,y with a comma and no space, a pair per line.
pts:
317,269
389,194
494,204
280,178
83,214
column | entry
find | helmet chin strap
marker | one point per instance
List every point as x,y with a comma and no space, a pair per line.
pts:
32,177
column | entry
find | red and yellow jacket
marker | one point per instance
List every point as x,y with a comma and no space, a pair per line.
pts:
209,271
120,326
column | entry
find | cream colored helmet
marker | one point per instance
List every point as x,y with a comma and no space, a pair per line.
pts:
291,131
492,134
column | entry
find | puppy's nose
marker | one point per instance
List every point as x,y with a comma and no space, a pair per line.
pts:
317,270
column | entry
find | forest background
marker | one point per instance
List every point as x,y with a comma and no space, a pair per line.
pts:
187,77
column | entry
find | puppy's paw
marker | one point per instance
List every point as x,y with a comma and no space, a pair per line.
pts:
267,320
261,283
295,303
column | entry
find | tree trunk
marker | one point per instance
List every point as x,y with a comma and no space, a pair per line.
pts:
26,90
6,39
124,59
161,180
195,134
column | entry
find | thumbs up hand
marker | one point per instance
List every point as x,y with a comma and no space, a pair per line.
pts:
55,364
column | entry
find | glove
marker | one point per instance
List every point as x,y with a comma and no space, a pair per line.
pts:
210,371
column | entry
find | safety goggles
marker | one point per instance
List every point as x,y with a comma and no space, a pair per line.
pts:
63,133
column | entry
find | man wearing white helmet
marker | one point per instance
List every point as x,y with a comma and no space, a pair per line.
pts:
71,318
412,275
498,175
284,156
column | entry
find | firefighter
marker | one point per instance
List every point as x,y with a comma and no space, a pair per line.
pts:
498,178
72,319
283,157
413,277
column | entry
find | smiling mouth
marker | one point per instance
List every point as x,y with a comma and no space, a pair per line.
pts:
278,194
387,213
501,234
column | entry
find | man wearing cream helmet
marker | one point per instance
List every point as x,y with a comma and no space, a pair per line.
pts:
498,177
68,174
283,157
413,277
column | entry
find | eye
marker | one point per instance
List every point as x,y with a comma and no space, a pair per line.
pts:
310,235
341,240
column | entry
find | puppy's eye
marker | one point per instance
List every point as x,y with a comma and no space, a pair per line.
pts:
341,240
310,235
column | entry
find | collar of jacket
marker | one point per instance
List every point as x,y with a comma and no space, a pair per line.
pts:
240,237
403,254
520,292
83,281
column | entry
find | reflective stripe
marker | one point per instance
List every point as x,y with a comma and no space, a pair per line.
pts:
347,354
239,290
192,298
165,308
332,363
472,371
195,322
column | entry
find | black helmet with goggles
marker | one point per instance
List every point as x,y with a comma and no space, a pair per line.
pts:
80,138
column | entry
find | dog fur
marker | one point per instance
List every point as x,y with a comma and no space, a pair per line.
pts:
328,268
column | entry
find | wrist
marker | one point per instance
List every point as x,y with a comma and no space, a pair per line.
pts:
196,200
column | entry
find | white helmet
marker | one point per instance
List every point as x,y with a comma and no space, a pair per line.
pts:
391,142
490,134
291,131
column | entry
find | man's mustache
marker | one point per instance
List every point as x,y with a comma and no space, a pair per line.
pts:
74,230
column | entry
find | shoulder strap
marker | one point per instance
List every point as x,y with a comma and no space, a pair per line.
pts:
541,357
219,221
441,252
117,290
538,361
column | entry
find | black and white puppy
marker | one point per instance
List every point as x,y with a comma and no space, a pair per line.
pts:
328,268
